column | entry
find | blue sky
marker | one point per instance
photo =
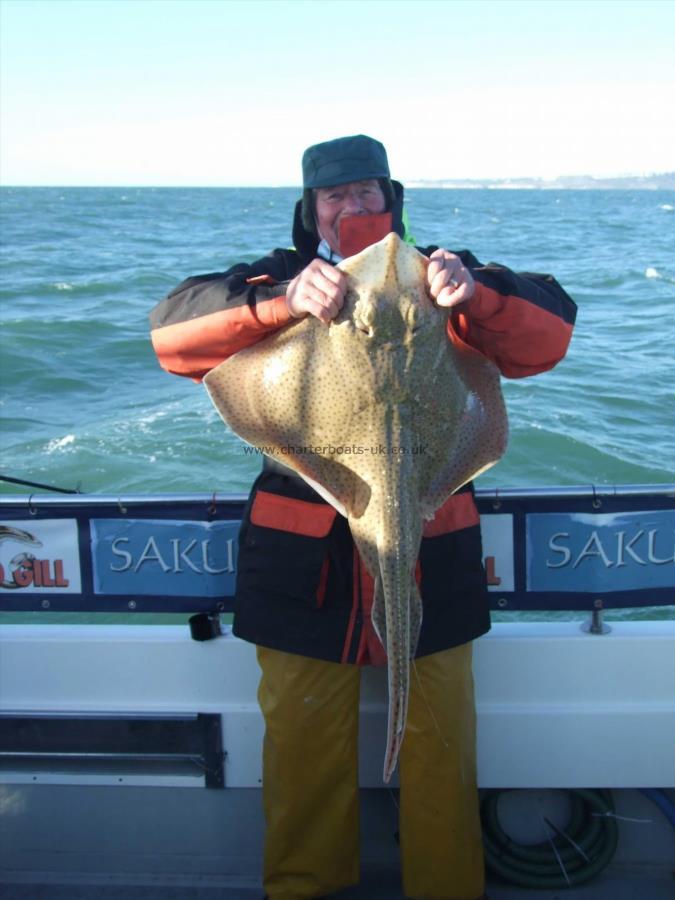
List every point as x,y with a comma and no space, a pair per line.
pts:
218,92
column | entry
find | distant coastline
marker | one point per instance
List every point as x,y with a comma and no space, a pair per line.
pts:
661,182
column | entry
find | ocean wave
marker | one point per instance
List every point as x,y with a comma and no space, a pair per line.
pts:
58,444
653,273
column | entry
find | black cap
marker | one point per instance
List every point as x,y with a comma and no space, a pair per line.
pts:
353,158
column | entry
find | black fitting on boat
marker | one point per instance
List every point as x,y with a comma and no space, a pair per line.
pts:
596,624
205,626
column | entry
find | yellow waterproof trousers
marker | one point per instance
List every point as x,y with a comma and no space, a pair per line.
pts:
310,778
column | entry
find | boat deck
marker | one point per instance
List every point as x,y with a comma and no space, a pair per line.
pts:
85,842
375,886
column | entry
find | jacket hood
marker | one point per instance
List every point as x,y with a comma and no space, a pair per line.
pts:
306,242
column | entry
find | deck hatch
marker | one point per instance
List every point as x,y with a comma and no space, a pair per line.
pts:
187,739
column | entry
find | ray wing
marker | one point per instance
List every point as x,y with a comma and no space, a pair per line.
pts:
281,396
474,439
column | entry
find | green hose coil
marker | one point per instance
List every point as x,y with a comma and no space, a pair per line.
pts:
592,827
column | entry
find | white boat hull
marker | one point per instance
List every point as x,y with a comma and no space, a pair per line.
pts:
557,706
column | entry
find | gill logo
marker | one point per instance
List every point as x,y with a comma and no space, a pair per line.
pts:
25,569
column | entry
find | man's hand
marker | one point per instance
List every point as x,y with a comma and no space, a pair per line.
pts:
318,290
449,281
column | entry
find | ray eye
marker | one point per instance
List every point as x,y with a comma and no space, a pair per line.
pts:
412,318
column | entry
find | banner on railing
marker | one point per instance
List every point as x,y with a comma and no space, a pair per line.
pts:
543,550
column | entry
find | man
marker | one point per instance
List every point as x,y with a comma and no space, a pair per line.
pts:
303,596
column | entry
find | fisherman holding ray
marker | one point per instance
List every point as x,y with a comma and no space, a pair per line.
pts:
304,595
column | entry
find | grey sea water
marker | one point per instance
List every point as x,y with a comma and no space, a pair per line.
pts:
85,403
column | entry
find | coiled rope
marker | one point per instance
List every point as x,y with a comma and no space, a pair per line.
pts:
570,856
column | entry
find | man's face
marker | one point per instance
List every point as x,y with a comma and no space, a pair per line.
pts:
356,198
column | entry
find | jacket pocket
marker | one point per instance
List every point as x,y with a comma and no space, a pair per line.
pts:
285,548
294,516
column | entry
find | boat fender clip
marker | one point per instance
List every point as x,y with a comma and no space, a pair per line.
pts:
205,626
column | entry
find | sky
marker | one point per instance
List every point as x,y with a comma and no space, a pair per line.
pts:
221,92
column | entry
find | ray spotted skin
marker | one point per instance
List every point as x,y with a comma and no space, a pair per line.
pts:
385,413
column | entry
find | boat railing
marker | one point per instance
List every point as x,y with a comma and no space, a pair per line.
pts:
561,548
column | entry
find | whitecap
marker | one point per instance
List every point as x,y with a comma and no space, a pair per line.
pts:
667,207
651,272
151,417
63,286
60,443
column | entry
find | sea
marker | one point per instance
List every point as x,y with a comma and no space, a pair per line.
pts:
84,404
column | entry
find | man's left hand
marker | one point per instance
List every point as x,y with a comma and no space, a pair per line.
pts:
449,281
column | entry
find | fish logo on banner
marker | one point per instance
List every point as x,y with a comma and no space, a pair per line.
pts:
42,557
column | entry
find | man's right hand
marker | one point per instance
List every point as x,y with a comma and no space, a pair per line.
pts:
319,290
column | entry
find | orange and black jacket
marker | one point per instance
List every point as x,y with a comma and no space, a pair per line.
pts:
301,587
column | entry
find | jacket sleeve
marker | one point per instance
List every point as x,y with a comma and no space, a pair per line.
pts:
521,321
209,317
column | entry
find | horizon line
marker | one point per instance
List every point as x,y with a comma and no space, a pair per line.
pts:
412,182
